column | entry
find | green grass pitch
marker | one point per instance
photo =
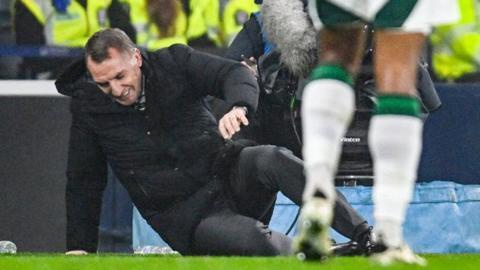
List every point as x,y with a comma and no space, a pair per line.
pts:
130,262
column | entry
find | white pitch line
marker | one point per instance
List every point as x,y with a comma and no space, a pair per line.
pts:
23,88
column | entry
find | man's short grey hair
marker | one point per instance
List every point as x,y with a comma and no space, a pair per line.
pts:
98,44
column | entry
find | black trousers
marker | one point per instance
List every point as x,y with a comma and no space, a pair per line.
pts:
262,171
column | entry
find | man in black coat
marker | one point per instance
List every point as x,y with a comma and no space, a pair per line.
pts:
145,114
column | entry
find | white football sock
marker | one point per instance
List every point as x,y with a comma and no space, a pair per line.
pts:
327,108
395,143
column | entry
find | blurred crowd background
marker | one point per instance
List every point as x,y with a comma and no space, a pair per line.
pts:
39,38
63,26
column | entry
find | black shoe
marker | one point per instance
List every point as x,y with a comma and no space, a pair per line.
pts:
345,249
367,245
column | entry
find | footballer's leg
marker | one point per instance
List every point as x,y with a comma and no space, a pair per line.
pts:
395,139
395,135
328,105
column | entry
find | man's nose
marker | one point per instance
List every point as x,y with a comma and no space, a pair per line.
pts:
117,89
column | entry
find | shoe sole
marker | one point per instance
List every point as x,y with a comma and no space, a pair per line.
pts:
402,255
313,242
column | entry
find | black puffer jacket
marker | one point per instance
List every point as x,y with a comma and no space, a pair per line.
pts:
163,155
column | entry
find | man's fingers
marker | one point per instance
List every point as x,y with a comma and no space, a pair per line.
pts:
243,118
222,129
226,128
251,68
230,122
229,125
234,123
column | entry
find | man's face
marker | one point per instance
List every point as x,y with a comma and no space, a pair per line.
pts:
119,75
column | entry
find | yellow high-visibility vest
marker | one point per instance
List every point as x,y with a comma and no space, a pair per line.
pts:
35,7
75,26
204,18
148,34
235,14
137,10
456,47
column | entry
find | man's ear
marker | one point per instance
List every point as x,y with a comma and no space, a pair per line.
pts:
138,57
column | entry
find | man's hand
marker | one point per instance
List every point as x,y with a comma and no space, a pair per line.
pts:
251,64
230,122
76,252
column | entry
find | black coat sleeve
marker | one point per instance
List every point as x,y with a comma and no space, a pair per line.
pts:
86,180
217,76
